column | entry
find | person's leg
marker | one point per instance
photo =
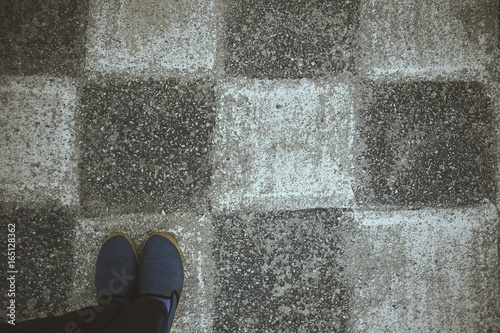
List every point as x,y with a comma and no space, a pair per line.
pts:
92,319
9,328
161,278
116,283
145,315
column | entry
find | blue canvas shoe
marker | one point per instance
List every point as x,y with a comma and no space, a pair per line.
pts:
117,268
161,272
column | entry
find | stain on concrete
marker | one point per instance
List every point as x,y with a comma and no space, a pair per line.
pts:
42,37
144,145
44,257
279,272
283,39
427,144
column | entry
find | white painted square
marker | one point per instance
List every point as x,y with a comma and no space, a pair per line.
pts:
282,145
430,270
194,236
426,38
151,37
38,160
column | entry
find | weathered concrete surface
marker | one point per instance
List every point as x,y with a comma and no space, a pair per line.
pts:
144,145
430,270
38,158
494,92
44,253
194,234
290,39
427,144
276,123
278,272
282,145
426,38
152,37
42,37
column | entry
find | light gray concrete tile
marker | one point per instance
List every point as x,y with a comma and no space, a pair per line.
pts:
282,145
38,159
151,37
426,38
431,270
194,235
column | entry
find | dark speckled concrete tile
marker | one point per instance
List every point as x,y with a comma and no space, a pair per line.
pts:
278,272
144,145
44,256
290,39
427,144
41,37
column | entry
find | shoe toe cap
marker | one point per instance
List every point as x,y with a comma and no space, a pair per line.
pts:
161,268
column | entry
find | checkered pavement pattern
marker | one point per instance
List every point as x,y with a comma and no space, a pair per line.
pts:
327,166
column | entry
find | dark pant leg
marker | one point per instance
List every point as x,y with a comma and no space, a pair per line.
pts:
8,328
144,315
94,319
